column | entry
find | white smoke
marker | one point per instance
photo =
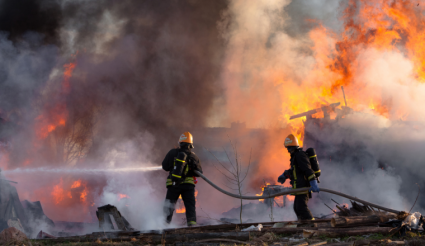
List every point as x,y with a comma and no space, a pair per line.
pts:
270,60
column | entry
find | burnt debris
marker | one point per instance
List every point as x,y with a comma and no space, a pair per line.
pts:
111,219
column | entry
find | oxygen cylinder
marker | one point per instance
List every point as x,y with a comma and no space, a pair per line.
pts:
178,170
311,153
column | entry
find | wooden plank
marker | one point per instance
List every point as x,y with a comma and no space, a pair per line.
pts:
157,239
283,230
342,244
341,232
228,227
313,111
359,220
320,243
172,238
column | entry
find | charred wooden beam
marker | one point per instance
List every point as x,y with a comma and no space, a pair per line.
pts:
313,111
343,93
235,226
172,238
282,230
110,218
359,220
341,232
343,211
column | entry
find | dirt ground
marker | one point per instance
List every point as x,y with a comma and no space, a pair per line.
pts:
272,240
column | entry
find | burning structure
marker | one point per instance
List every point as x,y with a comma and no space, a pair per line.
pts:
322,122
108,85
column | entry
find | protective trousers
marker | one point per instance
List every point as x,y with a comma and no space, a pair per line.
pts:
187,191
301,208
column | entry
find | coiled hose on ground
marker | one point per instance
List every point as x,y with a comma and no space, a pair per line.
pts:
294,191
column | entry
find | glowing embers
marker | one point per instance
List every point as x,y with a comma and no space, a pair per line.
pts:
357,209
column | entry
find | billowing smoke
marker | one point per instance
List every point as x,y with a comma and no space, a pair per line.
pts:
285,58
111,84
102,84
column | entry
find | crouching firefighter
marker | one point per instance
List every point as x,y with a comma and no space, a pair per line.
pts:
181,163
302,175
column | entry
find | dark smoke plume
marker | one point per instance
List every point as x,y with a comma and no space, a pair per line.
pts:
158,73
142,72
21,17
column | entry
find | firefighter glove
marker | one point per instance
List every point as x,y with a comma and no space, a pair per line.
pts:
314,186
288,174
281,179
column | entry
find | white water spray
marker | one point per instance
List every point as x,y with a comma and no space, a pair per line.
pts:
83,170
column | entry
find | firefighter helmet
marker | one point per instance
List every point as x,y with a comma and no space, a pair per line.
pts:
186,137
291,140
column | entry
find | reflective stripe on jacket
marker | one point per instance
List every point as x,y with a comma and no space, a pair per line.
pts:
302,171
187,180
193,163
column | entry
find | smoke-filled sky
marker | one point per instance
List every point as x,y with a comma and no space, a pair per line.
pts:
107,84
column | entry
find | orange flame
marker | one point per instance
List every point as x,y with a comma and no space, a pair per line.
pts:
262,189
261,200
69,68
76,184
57,115
180,206
121,196
378,27
279,199
83,195
46,125
290,198
58,193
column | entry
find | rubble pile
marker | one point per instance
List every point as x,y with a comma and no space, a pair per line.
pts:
366,227
13,236
360,224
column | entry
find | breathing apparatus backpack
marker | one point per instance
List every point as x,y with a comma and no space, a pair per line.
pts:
311,153
177,174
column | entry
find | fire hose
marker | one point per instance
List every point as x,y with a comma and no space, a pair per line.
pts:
294,191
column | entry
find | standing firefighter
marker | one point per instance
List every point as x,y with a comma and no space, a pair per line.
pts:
181,163
301,175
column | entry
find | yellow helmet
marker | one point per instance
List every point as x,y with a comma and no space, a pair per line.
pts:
186,137
291,140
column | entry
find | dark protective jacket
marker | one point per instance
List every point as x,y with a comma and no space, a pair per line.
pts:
301,170
193,163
